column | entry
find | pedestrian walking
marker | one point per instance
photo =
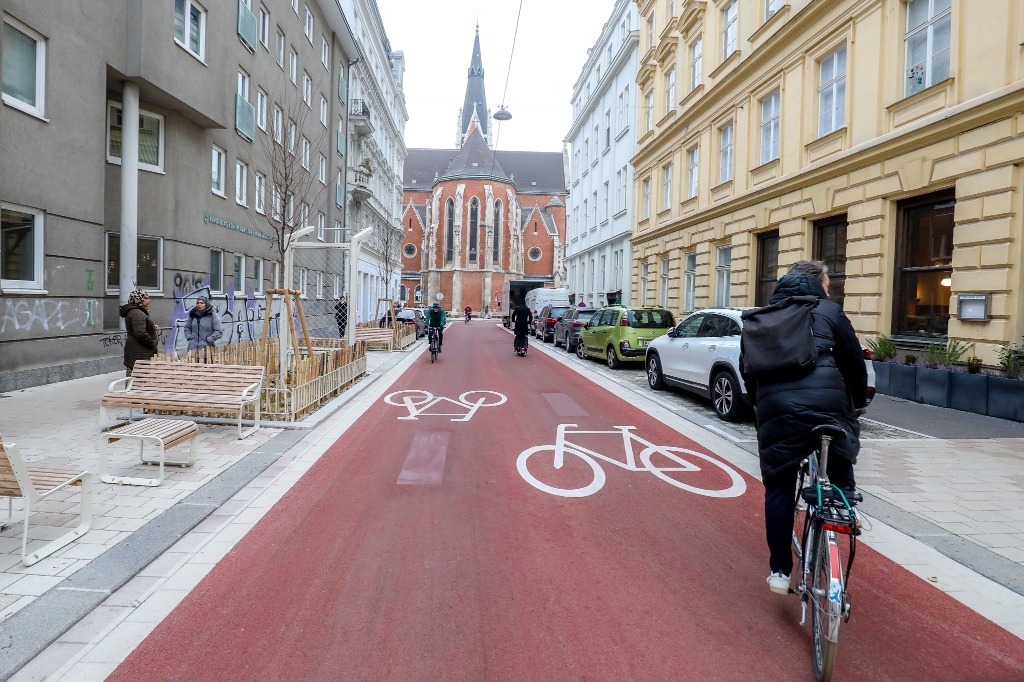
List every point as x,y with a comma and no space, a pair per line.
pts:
341,315
487,312
141,340
203,328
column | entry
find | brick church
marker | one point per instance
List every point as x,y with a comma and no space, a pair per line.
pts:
478,221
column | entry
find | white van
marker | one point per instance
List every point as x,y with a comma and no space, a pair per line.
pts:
536,299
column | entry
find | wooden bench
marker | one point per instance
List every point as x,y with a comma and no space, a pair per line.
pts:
376,335
34,485
187,387
164,433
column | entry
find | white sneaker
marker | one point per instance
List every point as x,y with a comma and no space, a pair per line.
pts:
778,583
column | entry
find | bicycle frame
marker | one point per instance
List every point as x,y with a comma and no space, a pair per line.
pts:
562,443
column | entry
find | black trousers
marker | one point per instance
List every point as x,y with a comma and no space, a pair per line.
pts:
780,506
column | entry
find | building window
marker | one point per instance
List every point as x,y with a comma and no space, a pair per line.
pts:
770,127
275,202
216,271
306,148
303,282
535,253
771,7
594,204
649,111
303,214
309,26
666,187
279,48
730,29
319,285
151,138
767,266
690,282
725,153
149,262
832,92
830,248
322,170
645,209
260,188
474,228
723,276
604,203
409,250
325,53
261,109
295,7
696,54
293,66
278,125
323,111
321,227
927,41
217,179
924,265
241,183
264,27
650,33
664,282
608,129
693,172
291,136
496,245
670,91
449,231
645,273
238,273
307,89
257,276
24,68
190,27
21,248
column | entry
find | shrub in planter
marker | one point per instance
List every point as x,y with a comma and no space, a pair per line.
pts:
973,365
882,348
1011,359
910,360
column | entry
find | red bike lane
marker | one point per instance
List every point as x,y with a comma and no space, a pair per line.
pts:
415,550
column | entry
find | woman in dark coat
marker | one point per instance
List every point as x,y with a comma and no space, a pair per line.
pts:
787,409
140,331
203,327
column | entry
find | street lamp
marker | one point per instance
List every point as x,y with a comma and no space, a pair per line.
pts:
502,114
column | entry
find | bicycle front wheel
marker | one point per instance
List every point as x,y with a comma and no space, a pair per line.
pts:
672,464
826,603
572,474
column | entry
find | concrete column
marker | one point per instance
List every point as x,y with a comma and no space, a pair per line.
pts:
128,277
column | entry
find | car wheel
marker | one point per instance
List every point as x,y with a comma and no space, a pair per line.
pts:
581,351
571,347
613,359
654,377
725,396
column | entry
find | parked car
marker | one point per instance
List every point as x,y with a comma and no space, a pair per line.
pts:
702,354
621,333
567,329
414,317
544,324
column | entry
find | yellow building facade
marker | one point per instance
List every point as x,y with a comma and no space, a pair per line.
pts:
884,137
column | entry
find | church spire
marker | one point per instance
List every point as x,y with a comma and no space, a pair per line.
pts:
476,98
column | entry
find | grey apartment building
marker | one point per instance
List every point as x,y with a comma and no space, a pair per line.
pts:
220,87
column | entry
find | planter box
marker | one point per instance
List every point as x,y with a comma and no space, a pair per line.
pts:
903,381
932,386
881,376
1006,398
968,392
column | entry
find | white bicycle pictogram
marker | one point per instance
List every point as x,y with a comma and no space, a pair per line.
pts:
681,461
419,402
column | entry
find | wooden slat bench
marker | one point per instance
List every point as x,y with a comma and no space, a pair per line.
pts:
376,335
33,485
187,387
164,433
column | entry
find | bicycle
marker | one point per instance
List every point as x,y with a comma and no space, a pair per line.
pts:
823,582
675,456
433,343
469,316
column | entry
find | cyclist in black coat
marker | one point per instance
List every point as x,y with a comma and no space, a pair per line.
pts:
522,320
788,408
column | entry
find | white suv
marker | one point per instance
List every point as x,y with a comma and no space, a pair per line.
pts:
702,354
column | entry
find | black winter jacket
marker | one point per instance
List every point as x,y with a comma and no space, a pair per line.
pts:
141,335
787,409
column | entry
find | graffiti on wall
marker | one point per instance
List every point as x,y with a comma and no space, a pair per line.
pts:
25,318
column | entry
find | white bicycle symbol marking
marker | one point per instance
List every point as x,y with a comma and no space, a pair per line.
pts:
681,462
418,402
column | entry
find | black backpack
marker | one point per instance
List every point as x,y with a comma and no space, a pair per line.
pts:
778,338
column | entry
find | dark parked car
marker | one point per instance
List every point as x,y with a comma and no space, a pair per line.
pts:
414,317
544,324
567,330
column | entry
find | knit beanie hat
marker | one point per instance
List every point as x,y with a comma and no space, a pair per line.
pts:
137,296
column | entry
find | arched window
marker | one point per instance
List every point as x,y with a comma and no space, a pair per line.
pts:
474,228
419,293
496,257
449,231
402,293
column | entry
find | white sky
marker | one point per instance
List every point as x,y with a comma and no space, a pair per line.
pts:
550,50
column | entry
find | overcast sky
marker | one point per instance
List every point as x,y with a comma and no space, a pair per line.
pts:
550,50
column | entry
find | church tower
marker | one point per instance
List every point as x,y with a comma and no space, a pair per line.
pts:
475,103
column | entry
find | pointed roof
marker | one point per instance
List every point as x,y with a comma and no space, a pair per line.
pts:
475,159
476,98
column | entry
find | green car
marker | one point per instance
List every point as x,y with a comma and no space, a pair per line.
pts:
622,333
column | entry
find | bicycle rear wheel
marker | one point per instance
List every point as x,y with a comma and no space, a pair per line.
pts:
826,603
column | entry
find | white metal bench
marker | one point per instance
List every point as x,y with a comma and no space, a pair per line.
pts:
187,387
33,485
164,433
376,335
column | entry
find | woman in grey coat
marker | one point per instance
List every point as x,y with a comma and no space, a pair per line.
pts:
203,328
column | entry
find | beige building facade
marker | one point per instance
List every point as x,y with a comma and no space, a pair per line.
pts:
884,137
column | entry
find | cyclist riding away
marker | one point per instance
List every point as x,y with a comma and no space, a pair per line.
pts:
787,408
436,318
521,319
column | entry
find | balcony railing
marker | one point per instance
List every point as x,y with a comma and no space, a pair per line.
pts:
360,185
359,117
247,27
245,118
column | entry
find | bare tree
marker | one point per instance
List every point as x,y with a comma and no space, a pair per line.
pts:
386,241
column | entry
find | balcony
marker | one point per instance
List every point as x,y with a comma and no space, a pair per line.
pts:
359,117
247,26
245,118
359,187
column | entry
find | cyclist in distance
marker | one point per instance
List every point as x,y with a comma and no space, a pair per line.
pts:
436,318
787,408
521,320
469,313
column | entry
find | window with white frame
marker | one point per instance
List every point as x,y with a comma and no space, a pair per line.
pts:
278,125
594,225
617,269
322,170
303,282
725,153
309,25
151,138
190,27
337,232
604,203
770,127
216,271
696,66
289,209
586,212
670,91
24,67
325,52
622,188
832,92
664,282
608,129
275,202
586,153
337,286
666,187
927,43
303,214
323,111
292,131
264,27
730,29
321,227
618,189
692,171
689,281
238,273
293,66
650,33
649,111
260,189
21,248
723,276
604,272
306,148
149,262
261,109
319,285
645,277
279,48
241,183
295,7
771,7
217,178
257,276
645,209
307,89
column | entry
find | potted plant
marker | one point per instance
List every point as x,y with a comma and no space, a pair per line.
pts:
934,380
883,352
1006,393
366,165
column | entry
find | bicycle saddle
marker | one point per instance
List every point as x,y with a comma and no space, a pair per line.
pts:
835,432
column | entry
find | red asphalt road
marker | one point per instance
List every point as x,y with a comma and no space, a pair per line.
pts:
354,576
